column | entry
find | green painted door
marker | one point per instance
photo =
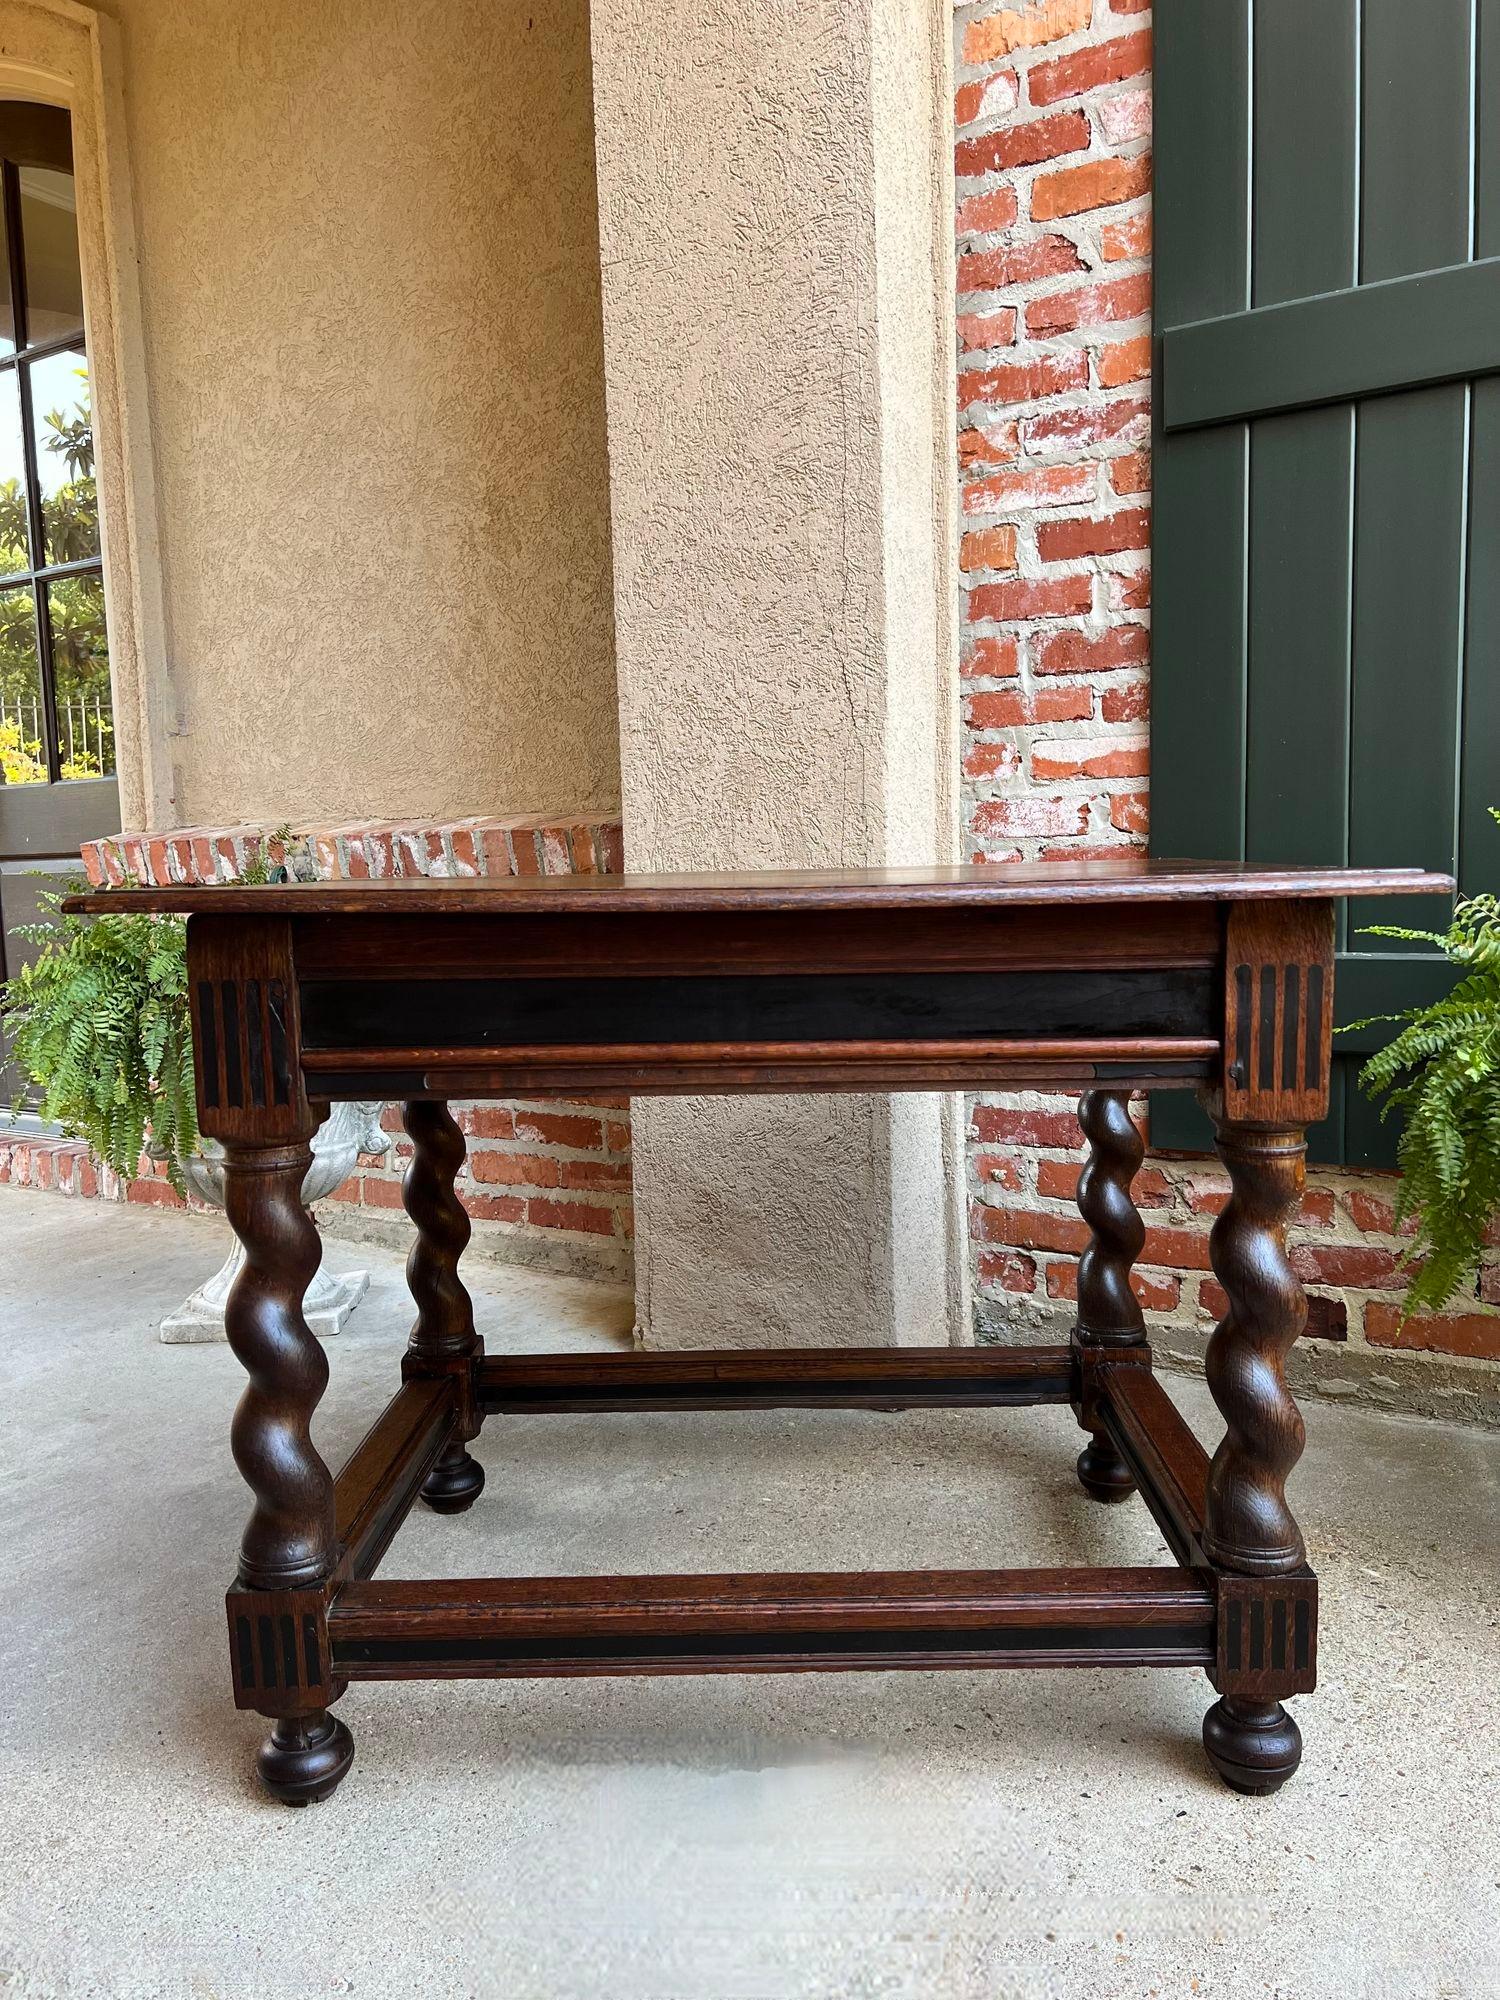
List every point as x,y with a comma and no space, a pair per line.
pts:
1326,652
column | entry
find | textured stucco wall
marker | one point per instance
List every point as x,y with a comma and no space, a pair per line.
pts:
775,226
369,261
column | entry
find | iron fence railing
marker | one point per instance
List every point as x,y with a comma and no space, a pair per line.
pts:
85,730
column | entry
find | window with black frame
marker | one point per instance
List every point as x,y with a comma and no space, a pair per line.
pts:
56,722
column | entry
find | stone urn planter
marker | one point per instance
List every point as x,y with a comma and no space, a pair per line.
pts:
348,1131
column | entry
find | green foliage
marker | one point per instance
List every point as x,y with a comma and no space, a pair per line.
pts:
100,1021
1443,1071
260,868
80,650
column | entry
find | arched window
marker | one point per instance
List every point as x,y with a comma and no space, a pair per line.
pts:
55,717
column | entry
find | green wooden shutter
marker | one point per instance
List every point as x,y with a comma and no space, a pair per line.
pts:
1326,651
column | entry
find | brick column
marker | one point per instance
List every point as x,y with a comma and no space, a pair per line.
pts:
775,226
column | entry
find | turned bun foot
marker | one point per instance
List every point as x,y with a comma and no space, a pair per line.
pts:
304,1757
1102,1473
1253,1745
454,1483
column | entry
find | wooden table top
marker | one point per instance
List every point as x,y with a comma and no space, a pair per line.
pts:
1132,879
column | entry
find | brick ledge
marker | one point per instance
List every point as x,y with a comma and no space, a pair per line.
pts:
522,844
548,1183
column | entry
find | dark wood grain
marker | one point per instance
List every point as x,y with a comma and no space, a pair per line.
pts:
857,1052
423,989
1255,1746
376,1485
246,1015
878,1378
1278,1013
1164,1458
290,1538
443,1340
1268,1635
290,1546
657,943
1061,883
1109,1315
719,1076
1249,1526
530,1626
704,1068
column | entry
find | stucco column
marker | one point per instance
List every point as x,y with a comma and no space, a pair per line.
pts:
776,226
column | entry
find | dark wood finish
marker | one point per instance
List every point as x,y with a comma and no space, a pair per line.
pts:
279,1651
1278,1013
443,1340
1061,884
291,1537
1249,1526
277,1607
374,1491
531,1626
1103,977
1165,1459
1255,1746
1267,1643
846,1378
1109,1315
251,1097
1022,938
305,1758
247,1030
848,1056
707,1070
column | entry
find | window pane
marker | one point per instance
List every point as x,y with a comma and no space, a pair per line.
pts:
22,758
80,675
13,535
7,304
49,235
63,423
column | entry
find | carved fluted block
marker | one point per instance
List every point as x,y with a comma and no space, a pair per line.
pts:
290,1538
1250,1526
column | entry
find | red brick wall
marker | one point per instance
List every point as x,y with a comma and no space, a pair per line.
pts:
1053,160
548,1182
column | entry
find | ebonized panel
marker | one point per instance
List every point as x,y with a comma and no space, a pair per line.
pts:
787,1650
563,1013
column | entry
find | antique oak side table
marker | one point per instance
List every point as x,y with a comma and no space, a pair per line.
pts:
1107,977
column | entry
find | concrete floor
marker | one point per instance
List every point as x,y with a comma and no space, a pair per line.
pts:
761,1838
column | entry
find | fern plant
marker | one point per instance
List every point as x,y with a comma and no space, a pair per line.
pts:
99,1020
1443,1071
